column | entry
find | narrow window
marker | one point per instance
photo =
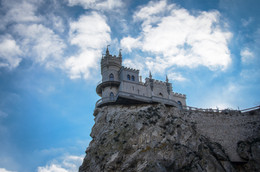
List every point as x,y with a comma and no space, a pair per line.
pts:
111,97
160,94
133,78
111,77
128,77
180,104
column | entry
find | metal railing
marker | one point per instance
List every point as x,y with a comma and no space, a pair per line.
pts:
99,82
108,99
189,108
250,109
105,100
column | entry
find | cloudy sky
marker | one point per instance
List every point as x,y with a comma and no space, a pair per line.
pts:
50,52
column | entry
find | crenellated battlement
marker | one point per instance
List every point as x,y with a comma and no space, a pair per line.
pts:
108,59
179,95
159,82
129,69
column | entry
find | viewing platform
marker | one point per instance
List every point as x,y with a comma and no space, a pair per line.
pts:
104,84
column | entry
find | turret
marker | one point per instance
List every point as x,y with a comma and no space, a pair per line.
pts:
169,85
110,66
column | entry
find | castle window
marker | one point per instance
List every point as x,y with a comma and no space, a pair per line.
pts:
111,77
180,104
111,97
160,94
133,78
128,77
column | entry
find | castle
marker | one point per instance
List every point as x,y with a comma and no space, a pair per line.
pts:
122,85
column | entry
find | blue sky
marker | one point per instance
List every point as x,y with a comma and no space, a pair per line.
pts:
49,65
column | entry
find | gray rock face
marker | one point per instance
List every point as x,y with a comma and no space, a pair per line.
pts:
155,138
250,151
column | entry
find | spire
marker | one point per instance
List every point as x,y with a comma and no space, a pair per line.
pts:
107,52
150,75
120,55
167,80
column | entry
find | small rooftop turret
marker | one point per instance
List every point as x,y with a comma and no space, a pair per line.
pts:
107,51
120,55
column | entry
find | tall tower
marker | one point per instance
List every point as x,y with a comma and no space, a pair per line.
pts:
110,66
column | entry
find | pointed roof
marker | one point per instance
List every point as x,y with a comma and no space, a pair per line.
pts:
150,75
107,52
120,55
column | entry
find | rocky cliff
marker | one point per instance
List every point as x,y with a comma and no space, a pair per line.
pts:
155,138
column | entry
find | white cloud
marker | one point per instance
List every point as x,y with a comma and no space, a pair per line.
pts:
52,168
91,34
5,170
56,22
90,31
130,43
81,65
180,38
246,22
250,75
153,8
247,55
41,43
9,52
97,4
30,37
66,164
176,76
19,12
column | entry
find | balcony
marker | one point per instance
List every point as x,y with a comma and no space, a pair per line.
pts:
106,100
105,84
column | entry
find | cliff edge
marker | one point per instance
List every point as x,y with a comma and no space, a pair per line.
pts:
156,138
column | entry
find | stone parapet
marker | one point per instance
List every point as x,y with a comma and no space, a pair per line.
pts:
128,69
179,95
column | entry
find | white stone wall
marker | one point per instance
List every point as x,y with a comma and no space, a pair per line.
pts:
107,71
133,88
124,72
177,98
160,88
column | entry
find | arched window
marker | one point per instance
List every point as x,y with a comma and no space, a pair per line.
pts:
180,104
128,77
111,97
111,77
160,94
133,78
